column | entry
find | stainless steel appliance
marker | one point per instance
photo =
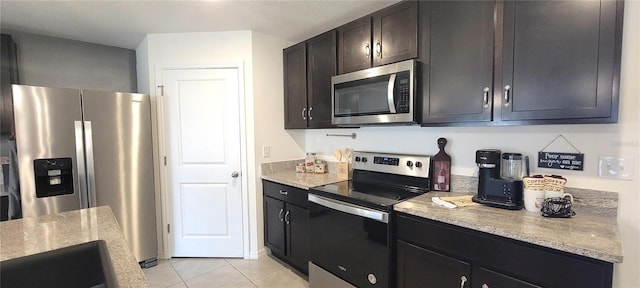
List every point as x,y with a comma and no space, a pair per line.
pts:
351,222
384,94
82,148
492,189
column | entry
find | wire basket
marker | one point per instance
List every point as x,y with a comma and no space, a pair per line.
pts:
557,208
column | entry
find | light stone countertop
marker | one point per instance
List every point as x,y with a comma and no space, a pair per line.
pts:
302,180
33,235
284,172
588,234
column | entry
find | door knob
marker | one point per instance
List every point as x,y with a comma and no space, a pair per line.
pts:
235,174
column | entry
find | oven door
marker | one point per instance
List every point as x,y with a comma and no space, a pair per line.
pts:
349,241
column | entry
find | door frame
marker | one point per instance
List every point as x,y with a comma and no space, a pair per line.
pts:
165,187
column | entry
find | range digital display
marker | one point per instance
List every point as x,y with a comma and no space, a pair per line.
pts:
386,160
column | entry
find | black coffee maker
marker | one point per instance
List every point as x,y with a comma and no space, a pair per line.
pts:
492,189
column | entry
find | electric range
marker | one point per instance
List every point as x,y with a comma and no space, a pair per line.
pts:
351,224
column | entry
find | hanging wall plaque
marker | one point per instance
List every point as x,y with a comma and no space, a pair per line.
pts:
561,160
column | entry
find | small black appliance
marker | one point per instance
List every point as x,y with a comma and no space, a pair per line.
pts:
492,189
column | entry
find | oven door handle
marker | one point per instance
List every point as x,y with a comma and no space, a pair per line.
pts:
350,208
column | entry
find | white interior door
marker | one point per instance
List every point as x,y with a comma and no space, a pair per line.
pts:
202,127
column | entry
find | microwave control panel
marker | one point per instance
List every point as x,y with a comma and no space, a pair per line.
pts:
403,87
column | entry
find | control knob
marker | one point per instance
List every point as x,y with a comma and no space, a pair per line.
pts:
409,164
418,164
364,159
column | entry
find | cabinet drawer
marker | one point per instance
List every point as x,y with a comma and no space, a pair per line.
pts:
535,264
286,193
484,278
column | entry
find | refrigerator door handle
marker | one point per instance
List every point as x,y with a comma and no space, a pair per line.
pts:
81,163
91,175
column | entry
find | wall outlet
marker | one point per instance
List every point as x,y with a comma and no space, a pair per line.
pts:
612,167
266,151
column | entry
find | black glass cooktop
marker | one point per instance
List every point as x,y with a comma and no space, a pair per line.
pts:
370,195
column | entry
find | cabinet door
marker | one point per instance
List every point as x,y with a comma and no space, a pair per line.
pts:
395,33
354,46
459,50
295,87
274,235
297,221
484,278
419,267
559,60
321,65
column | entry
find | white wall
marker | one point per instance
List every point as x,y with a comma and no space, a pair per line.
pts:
593,140
268,114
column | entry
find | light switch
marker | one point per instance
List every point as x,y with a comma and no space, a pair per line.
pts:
266,151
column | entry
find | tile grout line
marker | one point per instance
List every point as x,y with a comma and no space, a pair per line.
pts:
282,267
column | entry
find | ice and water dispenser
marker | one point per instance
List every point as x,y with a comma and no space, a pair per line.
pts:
54,176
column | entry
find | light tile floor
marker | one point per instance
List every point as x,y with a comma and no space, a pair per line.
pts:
265,272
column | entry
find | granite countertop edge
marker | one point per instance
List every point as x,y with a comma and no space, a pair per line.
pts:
304,181
612,253
32,235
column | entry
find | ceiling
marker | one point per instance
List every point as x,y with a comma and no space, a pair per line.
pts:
124,23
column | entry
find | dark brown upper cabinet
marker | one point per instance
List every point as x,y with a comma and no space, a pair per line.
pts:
561,61
456,57
535,62
387,36
308,67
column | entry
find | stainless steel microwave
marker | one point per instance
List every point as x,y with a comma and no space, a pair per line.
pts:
378,95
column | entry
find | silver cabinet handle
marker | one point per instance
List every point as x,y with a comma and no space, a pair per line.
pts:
507,90
378,50
310,113
485,286
283,192
367,51
485,97
280,215
286,217
349,208
235,174
463,280
304,113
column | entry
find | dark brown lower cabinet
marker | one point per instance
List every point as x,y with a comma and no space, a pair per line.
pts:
419,267
286,224
435,254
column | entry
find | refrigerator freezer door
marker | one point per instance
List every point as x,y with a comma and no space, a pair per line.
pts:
120,171
45,129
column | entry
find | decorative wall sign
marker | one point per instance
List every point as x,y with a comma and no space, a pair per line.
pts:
561,160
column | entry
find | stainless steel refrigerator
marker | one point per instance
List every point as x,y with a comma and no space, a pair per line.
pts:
83,148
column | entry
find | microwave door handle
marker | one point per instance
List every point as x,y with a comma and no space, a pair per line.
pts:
392,84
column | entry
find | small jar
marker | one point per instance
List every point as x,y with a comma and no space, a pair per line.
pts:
321,167
301,167
310,162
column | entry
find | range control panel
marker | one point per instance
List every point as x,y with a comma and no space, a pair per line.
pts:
400,164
